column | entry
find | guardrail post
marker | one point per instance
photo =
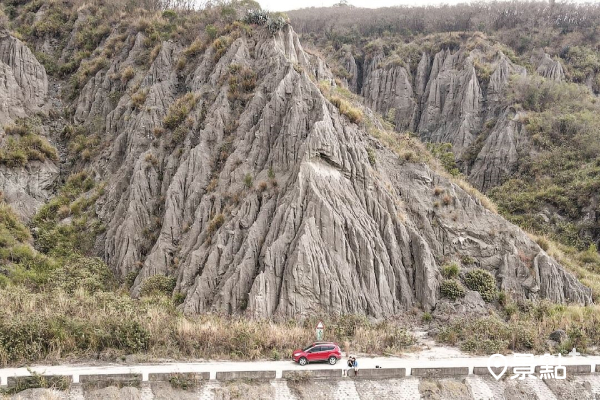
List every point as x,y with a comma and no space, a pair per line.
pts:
3,380
278,374
213,375
144,376
471,370
75,378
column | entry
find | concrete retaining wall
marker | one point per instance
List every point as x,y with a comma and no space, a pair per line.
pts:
260,375
571,370
438,372
103,380
111,377
380,373
312,374
192,377
34,381
484,370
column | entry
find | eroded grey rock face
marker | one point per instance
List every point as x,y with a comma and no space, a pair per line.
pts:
444,101
29,74
23,81
550,68
499,156
265,201
28,188
269,205
23,92
389,90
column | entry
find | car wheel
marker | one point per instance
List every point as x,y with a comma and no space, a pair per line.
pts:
302,361
332,360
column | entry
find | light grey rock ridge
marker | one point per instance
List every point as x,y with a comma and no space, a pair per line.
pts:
23,92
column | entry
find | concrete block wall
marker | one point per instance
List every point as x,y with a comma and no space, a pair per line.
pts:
439,372
312,374
335,373
191,377
258,375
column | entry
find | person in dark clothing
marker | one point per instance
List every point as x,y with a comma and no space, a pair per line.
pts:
348,366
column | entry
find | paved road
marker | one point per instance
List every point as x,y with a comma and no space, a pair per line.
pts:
412,361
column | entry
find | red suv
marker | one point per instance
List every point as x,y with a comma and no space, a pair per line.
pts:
318,351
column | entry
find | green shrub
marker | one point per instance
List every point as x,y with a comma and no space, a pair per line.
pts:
178,298
248,180
354,114
179,111
273,22
86,70
450,271
171,15
127,74
427,317
543,243
590,256
78,237
211,31
242,82
215,223
11,228
398,338
467,260
220,45
138,99
24,144
347,327
91,274
371,156
452,289
483,282
197,47
130,336
158,284
443,152
182,381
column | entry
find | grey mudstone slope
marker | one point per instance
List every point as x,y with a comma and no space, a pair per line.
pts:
264,199
23,92
549,68
24,84
443,99
268,204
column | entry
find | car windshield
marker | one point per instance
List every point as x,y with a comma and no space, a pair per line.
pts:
307,348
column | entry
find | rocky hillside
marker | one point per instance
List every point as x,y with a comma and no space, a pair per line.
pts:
468,77
214,151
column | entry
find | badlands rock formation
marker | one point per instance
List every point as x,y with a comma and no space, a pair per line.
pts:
444,101
264,199
23,92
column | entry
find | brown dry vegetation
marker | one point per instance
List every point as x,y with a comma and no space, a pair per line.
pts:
109,324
